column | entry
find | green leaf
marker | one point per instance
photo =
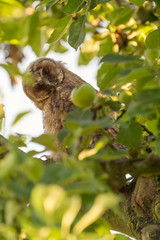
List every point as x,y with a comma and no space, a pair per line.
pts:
77,32
152,55
9,6
84,120
19,117
106,46
120,237
2,113
39,195
153,40
120,16
60,174
60,29
46,2
109,76
157,2
18,139
88,51
11,210
130,133
140,75
93,4
72,6
117,58
144,103
157,146
56,47
137,2
46,140
32,169
103,1
35,39
11,68
110,154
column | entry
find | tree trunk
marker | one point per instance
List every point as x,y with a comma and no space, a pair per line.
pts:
141,210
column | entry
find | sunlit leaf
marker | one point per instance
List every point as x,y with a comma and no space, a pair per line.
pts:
120,16
11,7
56,47
70,214
72,6
137,2
152,54
104,82
103,1
120,237
60,29
153,40
101,203
46,200
35,39
88,51
11,68
77,32
106,46
19,117
2,113
46,2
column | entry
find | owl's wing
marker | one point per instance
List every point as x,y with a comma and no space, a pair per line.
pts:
60,105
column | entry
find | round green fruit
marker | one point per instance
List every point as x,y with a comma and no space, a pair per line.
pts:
83,96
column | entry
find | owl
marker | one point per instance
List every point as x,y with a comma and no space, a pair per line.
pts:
50,90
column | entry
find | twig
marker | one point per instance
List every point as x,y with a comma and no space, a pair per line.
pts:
121,115
147,130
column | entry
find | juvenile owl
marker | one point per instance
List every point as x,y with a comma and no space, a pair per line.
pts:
50,90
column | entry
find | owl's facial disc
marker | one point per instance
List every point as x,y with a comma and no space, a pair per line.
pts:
47,71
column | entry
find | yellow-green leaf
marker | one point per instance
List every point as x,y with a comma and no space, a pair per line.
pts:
60,29
72,6
137,2
19,116
153,40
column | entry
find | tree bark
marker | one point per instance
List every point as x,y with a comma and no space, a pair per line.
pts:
141,210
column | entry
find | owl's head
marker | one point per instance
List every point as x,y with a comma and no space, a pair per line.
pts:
45,75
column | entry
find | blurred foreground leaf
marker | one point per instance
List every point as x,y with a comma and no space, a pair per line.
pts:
117,58
72,6
19,117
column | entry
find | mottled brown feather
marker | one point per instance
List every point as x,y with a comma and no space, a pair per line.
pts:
51,90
